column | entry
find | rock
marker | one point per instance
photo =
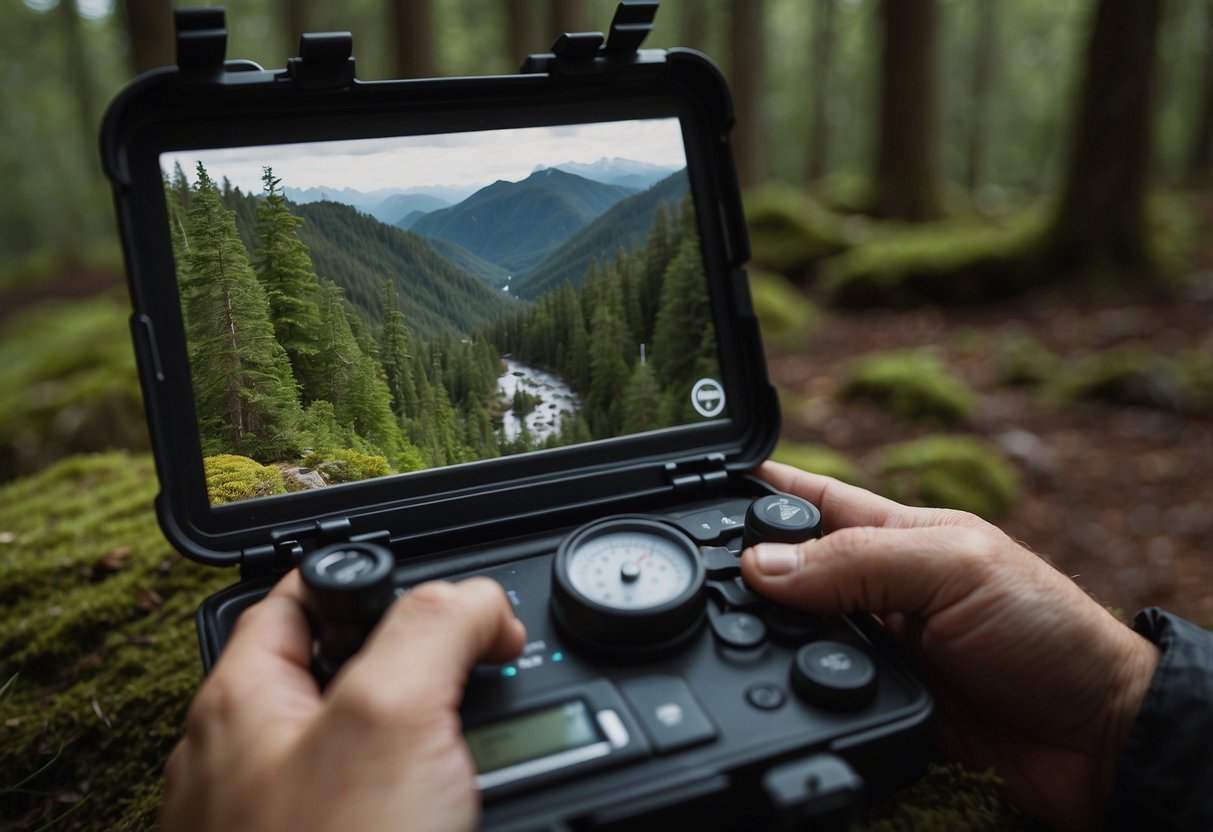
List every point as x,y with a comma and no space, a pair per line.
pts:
303,479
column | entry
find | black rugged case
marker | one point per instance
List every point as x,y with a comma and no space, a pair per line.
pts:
483,516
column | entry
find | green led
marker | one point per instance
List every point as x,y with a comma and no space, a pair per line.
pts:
558,656
509,670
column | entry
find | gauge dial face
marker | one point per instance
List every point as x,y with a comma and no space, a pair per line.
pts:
631,569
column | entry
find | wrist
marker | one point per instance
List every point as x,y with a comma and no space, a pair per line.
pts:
1135,672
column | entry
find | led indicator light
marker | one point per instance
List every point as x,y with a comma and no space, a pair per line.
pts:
509,670
558,656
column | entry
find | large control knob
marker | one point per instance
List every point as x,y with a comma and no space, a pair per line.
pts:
781,518
347,588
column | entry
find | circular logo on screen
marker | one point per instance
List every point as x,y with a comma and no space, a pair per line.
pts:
707,397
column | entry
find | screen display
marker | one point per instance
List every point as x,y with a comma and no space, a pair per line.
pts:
365,308
531,736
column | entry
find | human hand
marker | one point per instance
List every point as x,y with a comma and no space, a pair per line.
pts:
1031,676
381,748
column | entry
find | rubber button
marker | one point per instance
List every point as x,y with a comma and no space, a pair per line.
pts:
833,675
790,626
669,713
765,697
738,629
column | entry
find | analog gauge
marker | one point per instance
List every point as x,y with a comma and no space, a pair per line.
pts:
628,582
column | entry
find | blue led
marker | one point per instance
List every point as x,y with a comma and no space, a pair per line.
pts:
558,656
509,670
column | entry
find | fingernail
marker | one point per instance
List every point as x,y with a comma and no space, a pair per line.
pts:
776,558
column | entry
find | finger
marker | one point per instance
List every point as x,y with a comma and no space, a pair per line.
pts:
841,504
436,632
918,571
265,665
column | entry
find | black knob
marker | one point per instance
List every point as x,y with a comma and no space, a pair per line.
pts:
347,588
833,675
781,518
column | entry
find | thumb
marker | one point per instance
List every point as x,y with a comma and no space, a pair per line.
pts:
917,571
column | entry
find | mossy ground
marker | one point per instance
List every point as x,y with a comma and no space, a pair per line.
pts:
98,636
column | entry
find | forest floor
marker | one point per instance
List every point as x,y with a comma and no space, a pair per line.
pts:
1119,497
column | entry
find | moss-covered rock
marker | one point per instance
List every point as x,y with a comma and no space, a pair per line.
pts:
67,384
98,631
820,460
1139,376
784,313
790,231
949,472
910,384
230,477
949,798
348,466
1023,360
955,261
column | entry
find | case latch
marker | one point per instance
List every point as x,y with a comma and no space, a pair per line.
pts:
325,61
201,42
631,24
701,475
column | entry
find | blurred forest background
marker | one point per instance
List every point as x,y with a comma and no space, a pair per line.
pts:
981,260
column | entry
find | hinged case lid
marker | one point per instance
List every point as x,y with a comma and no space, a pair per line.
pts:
438,311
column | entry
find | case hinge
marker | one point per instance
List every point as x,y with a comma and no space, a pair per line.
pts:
325,61
631,24
289,544
705,474
201,42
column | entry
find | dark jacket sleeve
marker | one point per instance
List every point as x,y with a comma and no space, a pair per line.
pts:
1164,778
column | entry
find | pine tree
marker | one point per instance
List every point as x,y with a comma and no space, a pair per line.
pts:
642,401
395,355
684,313
291,286
243,386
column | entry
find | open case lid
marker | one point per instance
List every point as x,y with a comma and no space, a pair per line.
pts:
274,314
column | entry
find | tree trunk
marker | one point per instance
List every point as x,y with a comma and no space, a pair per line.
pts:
567,16
412,23
906,182
1200,161
523,36
693,26
150,34
822,59
1100,217
984,60
81,78
747,47
294,23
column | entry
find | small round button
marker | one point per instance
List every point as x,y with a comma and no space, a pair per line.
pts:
765,697
738,629
781,518
834,675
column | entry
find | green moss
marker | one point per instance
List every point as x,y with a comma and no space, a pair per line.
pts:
67,385
1022,359
230,477
949,472
954,261
948,798
790,231
819,460
910,384
1139,376
98,625
348,466
785,314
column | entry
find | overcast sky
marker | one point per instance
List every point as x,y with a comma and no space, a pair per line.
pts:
468,160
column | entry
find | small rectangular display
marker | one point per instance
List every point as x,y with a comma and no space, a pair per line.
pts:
363,308
532,736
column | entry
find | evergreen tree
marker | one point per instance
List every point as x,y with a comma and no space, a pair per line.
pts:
395,354
642,401
243,387
291,286
685,312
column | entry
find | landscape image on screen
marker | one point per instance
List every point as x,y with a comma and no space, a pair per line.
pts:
363,308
